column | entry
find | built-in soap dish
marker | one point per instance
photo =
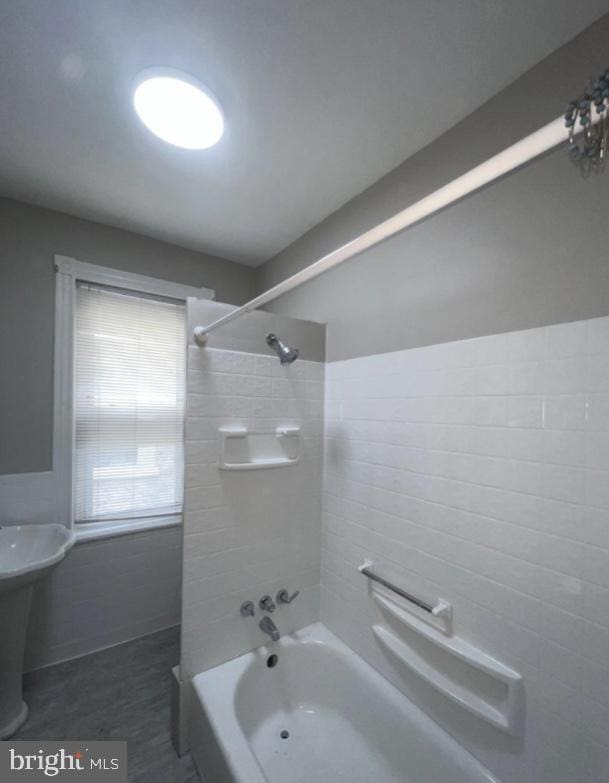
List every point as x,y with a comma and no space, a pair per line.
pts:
457,679
241,449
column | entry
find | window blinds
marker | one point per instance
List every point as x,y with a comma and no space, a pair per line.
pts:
129,388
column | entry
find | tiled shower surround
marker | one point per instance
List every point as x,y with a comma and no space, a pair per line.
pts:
478,471
474,471
248,532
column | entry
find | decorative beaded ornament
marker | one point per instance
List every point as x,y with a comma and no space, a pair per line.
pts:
591,152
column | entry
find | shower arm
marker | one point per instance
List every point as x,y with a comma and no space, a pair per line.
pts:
509,159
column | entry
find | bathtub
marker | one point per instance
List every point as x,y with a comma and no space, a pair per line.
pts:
317,713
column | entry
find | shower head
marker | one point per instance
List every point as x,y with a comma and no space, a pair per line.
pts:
286,354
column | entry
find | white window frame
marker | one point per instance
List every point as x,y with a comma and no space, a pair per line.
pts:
68,271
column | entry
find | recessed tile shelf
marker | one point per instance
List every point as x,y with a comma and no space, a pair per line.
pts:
504,711
241,449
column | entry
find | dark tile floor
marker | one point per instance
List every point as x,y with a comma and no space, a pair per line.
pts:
122,693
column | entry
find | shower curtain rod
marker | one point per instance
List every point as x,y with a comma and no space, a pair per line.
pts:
513,157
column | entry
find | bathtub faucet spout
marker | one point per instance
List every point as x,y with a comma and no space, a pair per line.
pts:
268,626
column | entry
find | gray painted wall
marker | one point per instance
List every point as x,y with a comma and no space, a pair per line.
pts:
29,238
247,334
528,251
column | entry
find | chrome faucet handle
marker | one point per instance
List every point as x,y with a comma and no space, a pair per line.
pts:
267,604
248,609
283,597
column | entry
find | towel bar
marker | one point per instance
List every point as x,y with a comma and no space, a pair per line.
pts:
441,609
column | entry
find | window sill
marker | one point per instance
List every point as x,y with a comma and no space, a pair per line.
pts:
93,531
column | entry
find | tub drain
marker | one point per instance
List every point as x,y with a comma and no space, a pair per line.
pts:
284,734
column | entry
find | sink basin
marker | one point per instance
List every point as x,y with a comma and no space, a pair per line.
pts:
27,553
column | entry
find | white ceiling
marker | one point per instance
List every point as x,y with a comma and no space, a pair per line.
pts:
322,97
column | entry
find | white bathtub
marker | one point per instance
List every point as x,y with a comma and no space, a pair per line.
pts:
345,721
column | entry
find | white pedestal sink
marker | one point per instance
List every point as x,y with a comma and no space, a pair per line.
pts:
27,553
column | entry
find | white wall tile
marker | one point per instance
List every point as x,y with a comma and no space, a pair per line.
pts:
565,411
598,335
481,472
247,533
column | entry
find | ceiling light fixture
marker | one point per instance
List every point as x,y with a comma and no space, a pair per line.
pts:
178,109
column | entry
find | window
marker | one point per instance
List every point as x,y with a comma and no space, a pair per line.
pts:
129,393
119,396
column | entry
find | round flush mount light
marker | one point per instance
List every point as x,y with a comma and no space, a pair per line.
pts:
178,109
